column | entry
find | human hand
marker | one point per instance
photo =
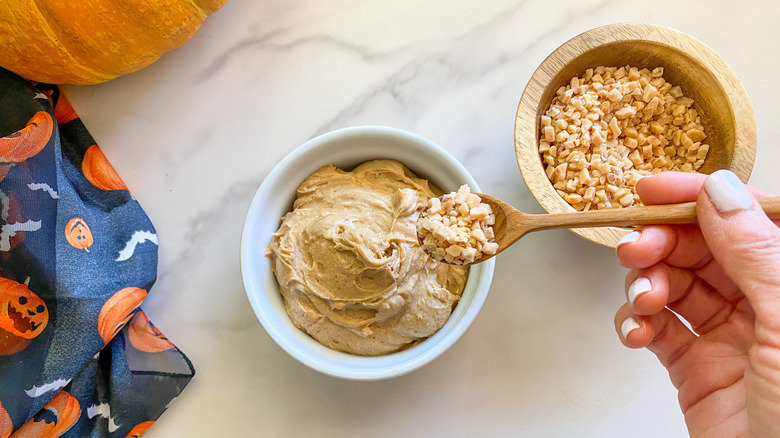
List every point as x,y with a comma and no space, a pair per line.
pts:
723,278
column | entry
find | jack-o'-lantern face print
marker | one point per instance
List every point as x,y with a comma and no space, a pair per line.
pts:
59,415
28,141
78,234
11,344
22,313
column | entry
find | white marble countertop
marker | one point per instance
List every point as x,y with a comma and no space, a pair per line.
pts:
194,134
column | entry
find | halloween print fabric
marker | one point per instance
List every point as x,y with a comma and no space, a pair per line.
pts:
78,257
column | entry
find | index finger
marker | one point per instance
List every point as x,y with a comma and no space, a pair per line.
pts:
683,244
676,245
676,187
670,187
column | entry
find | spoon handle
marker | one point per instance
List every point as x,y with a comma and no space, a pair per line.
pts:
684,213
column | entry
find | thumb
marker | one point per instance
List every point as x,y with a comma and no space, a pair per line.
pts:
744,241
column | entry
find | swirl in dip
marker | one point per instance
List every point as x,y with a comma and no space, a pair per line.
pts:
350,267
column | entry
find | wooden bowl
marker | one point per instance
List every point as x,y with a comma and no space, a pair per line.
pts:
719,97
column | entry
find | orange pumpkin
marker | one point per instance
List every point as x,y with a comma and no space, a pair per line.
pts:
28,141
10,344
99,171
139,429
145,336
63,111
6,427
91,41
78,234
117,311
4,169
22,313
59,415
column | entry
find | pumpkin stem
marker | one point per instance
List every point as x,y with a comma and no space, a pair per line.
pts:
86,249
27,282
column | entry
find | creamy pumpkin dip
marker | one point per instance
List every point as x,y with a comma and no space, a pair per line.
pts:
351,270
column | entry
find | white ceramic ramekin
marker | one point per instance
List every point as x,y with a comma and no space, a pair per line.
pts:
347,148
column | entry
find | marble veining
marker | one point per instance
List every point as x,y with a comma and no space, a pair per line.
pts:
194,134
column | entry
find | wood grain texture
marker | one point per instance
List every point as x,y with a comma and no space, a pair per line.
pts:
512,224
719,96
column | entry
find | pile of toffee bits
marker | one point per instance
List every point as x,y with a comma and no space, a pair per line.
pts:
612,126
458,228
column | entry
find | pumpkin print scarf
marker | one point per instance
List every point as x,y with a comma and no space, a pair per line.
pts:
78,256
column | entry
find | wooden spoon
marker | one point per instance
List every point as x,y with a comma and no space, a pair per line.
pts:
512,224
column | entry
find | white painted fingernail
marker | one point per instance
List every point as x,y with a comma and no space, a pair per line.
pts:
727,192
629,325
629,238
638,287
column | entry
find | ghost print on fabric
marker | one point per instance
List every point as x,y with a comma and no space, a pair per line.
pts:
78,256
